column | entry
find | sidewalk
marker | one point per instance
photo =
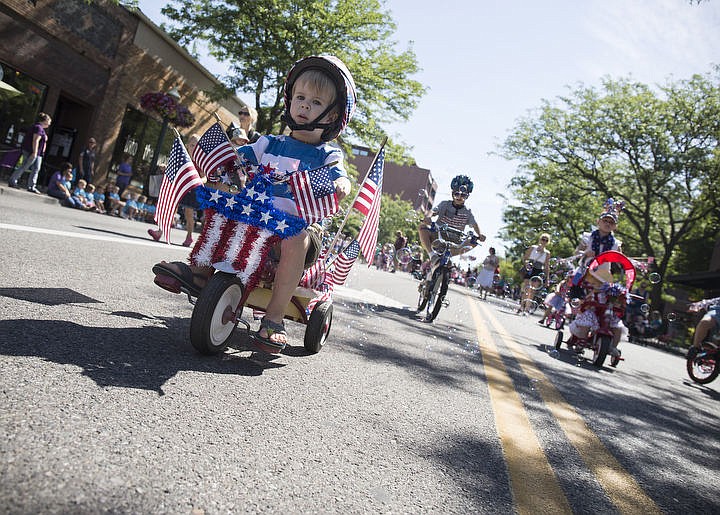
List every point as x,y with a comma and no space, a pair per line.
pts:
20,192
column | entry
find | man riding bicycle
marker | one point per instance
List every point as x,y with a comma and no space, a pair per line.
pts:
707,324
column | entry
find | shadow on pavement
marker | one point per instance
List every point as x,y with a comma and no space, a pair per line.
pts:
136,357
47,296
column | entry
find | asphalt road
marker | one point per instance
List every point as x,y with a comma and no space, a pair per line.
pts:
105,406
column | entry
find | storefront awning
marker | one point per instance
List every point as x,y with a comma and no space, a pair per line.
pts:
709,281
7,91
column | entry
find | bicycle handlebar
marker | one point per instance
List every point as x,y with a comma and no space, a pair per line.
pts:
446,228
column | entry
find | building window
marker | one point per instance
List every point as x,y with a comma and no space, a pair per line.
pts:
138,138
18,111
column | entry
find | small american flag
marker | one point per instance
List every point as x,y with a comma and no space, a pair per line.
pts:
368,203
344,263
314,194
180,177
213,150
325,296
315,275
370,186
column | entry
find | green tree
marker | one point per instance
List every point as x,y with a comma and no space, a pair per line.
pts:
395,214
656,149
262,39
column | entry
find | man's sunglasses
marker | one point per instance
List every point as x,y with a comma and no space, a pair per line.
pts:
460,194
244,113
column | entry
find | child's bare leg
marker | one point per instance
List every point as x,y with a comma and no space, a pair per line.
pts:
189,221
287,277
424,235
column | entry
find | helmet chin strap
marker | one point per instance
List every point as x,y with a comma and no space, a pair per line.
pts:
315,124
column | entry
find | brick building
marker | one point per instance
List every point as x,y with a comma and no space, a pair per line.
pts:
407,181
86,65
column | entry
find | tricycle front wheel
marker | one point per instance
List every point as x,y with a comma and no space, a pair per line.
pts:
216,313
601,349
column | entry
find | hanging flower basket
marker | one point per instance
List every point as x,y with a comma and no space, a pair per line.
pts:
167,107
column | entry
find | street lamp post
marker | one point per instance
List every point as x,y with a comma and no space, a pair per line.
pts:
163,130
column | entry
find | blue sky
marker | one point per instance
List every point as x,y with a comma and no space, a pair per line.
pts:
487,64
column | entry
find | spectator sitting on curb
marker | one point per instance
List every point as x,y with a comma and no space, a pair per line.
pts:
98,198
59,186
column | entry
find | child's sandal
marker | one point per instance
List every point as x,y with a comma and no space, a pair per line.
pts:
271,328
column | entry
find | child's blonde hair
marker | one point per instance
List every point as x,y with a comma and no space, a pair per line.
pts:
318,81
90,187
82,183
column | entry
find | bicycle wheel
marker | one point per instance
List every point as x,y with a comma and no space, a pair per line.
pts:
703,367
439,291
423,298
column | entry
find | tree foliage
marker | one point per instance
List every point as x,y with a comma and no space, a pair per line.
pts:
656,149
395,214
262,39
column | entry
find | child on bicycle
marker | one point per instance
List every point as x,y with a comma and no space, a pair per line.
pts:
557,298
453,212
319,102
592,244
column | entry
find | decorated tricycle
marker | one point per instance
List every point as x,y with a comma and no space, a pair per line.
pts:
601,310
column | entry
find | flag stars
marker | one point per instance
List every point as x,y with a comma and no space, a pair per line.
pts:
230,202
215,196
281,225
265,217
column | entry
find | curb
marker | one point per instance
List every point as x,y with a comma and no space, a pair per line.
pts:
7,190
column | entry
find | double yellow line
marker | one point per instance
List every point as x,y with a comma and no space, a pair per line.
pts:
533,482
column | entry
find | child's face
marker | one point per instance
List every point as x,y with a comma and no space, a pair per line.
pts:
308,103
606,225
459,197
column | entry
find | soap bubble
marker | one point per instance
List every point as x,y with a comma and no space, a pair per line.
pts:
404,255
654,278
438,246
645,308
536,282
671,317
417,252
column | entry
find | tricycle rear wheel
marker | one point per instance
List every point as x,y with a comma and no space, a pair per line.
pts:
318,327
